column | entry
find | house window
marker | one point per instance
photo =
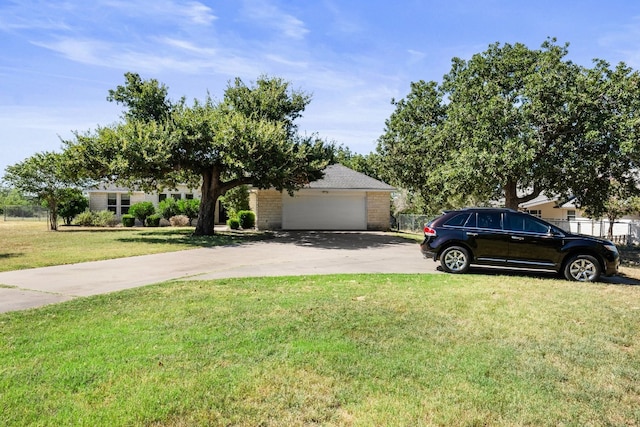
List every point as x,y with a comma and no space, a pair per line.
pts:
535,212
571,215
176,196
188,196
112,202
125,202
161,197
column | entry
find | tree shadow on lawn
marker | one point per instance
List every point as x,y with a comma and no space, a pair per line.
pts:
353,240
619,279
186,238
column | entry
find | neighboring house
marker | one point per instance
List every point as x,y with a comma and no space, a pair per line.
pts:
566,215
552,208
343,200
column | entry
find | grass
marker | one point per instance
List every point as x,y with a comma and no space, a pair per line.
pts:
26,244
342,350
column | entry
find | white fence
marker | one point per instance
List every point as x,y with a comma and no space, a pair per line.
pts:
624,232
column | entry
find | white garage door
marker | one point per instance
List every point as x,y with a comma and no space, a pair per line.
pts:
322,211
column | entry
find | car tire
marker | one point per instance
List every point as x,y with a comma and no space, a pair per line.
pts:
455,259
582,268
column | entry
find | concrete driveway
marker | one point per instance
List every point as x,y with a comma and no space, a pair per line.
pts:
289,253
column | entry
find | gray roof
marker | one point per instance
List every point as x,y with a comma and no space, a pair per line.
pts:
339,177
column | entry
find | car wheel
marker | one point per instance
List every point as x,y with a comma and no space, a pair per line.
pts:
455,259
582,268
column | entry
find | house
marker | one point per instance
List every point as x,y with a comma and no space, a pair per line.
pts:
119,199
343,200
552,208
566,215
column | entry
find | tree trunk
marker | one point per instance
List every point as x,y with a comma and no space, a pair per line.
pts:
511,195
53,215
511,199
210,193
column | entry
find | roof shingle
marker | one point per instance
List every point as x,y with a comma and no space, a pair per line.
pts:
340,177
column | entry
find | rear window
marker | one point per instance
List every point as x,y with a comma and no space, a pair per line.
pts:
457,220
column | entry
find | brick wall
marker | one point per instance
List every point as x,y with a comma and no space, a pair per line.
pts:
267,205
378,211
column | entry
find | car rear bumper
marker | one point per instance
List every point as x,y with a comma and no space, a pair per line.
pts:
427,250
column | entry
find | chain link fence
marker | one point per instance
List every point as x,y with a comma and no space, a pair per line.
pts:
25,213
411,223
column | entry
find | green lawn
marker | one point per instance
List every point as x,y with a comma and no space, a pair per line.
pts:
344,350
26,244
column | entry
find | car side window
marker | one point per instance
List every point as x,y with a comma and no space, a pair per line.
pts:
514,222
489,220
457,220
532,225
526,223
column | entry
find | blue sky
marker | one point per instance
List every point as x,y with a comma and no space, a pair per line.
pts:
59,58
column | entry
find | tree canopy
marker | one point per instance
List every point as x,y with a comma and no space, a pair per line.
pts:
511,123
249,138
47,176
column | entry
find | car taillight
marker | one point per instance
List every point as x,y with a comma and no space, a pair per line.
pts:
428,231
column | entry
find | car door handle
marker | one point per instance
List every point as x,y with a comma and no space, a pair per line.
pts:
517,238
472,234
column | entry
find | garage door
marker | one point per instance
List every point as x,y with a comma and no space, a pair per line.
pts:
322,211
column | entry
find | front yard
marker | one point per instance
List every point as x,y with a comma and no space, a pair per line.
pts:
343,350
26,244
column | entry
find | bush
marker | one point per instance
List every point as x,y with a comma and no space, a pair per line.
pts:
247,219
128,220
105,219
142,210
236,200
84,218
179,221
168,208
153,220
96,219
190,208
233,223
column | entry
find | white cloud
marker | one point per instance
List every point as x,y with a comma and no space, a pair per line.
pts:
268,15
171,10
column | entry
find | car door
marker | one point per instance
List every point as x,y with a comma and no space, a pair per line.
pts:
487,238
532,242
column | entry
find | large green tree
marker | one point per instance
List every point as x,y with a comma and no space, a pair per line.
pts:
47,176
249,138
510,123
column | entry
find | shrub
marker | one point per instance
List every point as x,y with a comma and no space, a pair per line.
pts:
247,219
179,221
128,220
190,208
105,219
96,219
236,200
153,220
168,208
142,210
84,218
233,223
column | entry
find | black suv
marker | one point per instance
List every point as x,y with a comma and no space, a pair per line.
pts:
508,238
